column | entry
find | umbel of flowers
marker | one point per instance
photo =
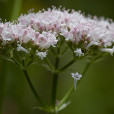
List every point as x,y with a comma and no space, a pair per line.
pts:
33,36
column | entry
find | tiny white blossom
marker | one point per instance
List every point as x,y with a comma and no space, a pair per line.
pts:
20,48
92,43
76,77
109,50
78,52
42,55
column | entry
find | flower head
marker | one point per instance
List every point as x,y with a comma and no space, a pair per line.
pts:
73,26
42,30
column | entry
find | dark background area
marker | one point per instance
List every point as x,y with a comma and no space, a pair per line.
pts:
94,95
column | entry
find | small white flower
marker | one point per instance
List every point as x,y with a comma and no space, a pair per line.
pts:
78,52
20,48
92,43
76,77
41,54
109,50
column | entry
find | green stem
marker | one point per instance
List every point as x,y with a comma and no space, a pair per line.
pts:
72,88
49,63
55,79
53,51
67,65
66,96
29,63
33,89
85,70
54,89
30,83
16,62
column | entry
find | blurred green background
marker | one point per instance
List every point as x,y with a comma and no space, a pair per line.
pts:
94,95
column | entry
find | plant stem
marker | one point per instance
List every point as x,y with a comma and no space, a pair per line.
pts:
55,79
66,96
49,63
30,83
16,62
54,90
33,89
85,70
68,65
72,88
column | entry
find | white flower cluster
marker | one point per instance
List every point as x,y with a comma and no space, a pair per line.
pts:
43,28
22,36
73,26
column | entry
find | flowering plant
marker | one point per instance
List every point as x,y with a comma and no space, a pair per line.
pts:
34,36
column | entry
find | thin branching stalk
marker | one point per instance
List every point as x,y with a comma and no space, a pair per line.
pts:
72,88
49,64
33,89
43,105
16,62
55,79
22,67
68,65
